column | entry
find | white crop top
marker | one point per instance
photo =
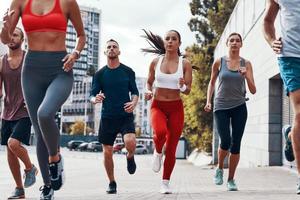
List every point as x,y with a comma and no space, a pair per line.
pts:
169,81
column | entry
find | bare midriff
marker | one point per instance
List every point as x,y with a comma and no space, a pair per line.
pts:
46,41
164,94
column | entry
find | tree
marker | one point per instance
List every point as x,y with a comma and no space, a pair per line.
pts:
208,22
77,128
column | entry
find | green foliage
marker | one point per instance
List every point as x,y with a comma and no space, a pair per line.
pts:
208,22
77,128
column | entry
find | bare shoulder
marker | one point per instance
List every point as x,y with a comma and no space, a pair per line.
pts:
218,61
18,4
247,62
186,63
155,60
69,2
154,63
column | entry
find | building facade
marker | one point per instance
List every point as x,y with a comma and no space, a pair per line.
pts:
77,106
142,110
269,109
3,48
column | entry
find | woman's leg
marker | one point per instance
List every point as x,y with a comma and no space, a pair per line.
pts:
239,118
56,94
222,120
34,93
175,126
159,125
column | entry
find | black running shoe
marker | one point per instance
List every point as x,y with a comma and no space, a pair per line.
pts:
288,149
47,193
112,188
131,166
57,175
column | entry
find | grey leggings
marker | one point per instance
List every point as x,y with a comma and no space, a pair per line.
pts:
46,87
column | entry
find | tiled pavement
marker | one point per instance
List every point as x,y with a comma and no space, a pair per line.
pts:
86,180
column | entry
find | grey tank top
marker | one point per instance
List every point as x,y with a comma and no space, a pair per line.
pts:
290,27
14,104
231,88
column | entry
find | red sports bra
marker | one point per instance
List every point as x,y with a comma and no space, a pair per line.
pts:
54,21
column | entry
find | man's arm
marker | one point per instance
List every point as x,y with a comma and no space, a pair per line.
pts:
96,88
130,106
271,12
10,19
1,58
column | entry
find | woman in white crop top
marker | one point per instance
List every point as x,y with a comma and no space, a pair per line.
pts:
171,75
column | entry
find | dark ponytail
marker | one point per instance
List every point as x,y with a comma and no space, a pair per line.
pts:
157,43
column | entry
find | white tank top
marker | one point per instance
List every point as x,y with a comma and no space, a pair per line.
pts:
169,81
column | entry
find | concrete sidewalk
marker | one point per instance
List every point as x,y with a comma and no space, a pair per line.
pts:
86,180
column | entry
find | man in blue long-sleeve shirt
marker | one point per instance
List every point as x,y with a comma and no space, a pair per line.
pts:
112,86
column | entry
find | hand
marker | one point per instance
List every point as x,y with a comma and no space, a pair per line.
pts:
148,95
207,107
129,107
181,82
277,46
99,98
7,19
243,71
69,61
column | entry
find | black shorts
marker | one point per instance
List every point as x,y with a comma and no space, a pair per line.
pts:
109,129
18,129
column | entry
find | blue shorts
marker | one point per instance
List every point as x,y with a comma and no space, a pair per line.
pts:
290,73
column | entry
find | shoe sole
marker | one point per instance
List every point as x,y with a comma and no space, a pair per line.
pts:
111,192
218,183
19,197
155,170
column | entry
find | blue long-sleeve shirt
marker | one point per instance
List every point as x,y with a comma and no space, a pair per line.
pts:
117,85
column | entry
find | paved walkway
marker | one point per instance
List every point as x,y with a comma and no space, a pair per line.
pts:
86,180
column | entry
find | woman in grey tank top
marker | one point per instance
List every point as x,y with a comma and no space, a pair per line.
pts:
230,111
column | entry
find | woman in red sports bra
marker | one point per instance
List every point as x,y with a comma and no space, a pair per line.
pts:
47,76
171,74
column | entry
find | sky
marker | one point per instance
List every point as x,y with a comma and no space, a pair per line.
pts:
123,20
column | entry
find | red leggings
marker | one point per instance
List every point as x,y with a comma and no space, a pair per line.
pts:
167,122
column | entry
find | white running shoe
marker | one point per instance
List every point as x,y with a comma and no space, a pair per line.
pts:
157,161
165,187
